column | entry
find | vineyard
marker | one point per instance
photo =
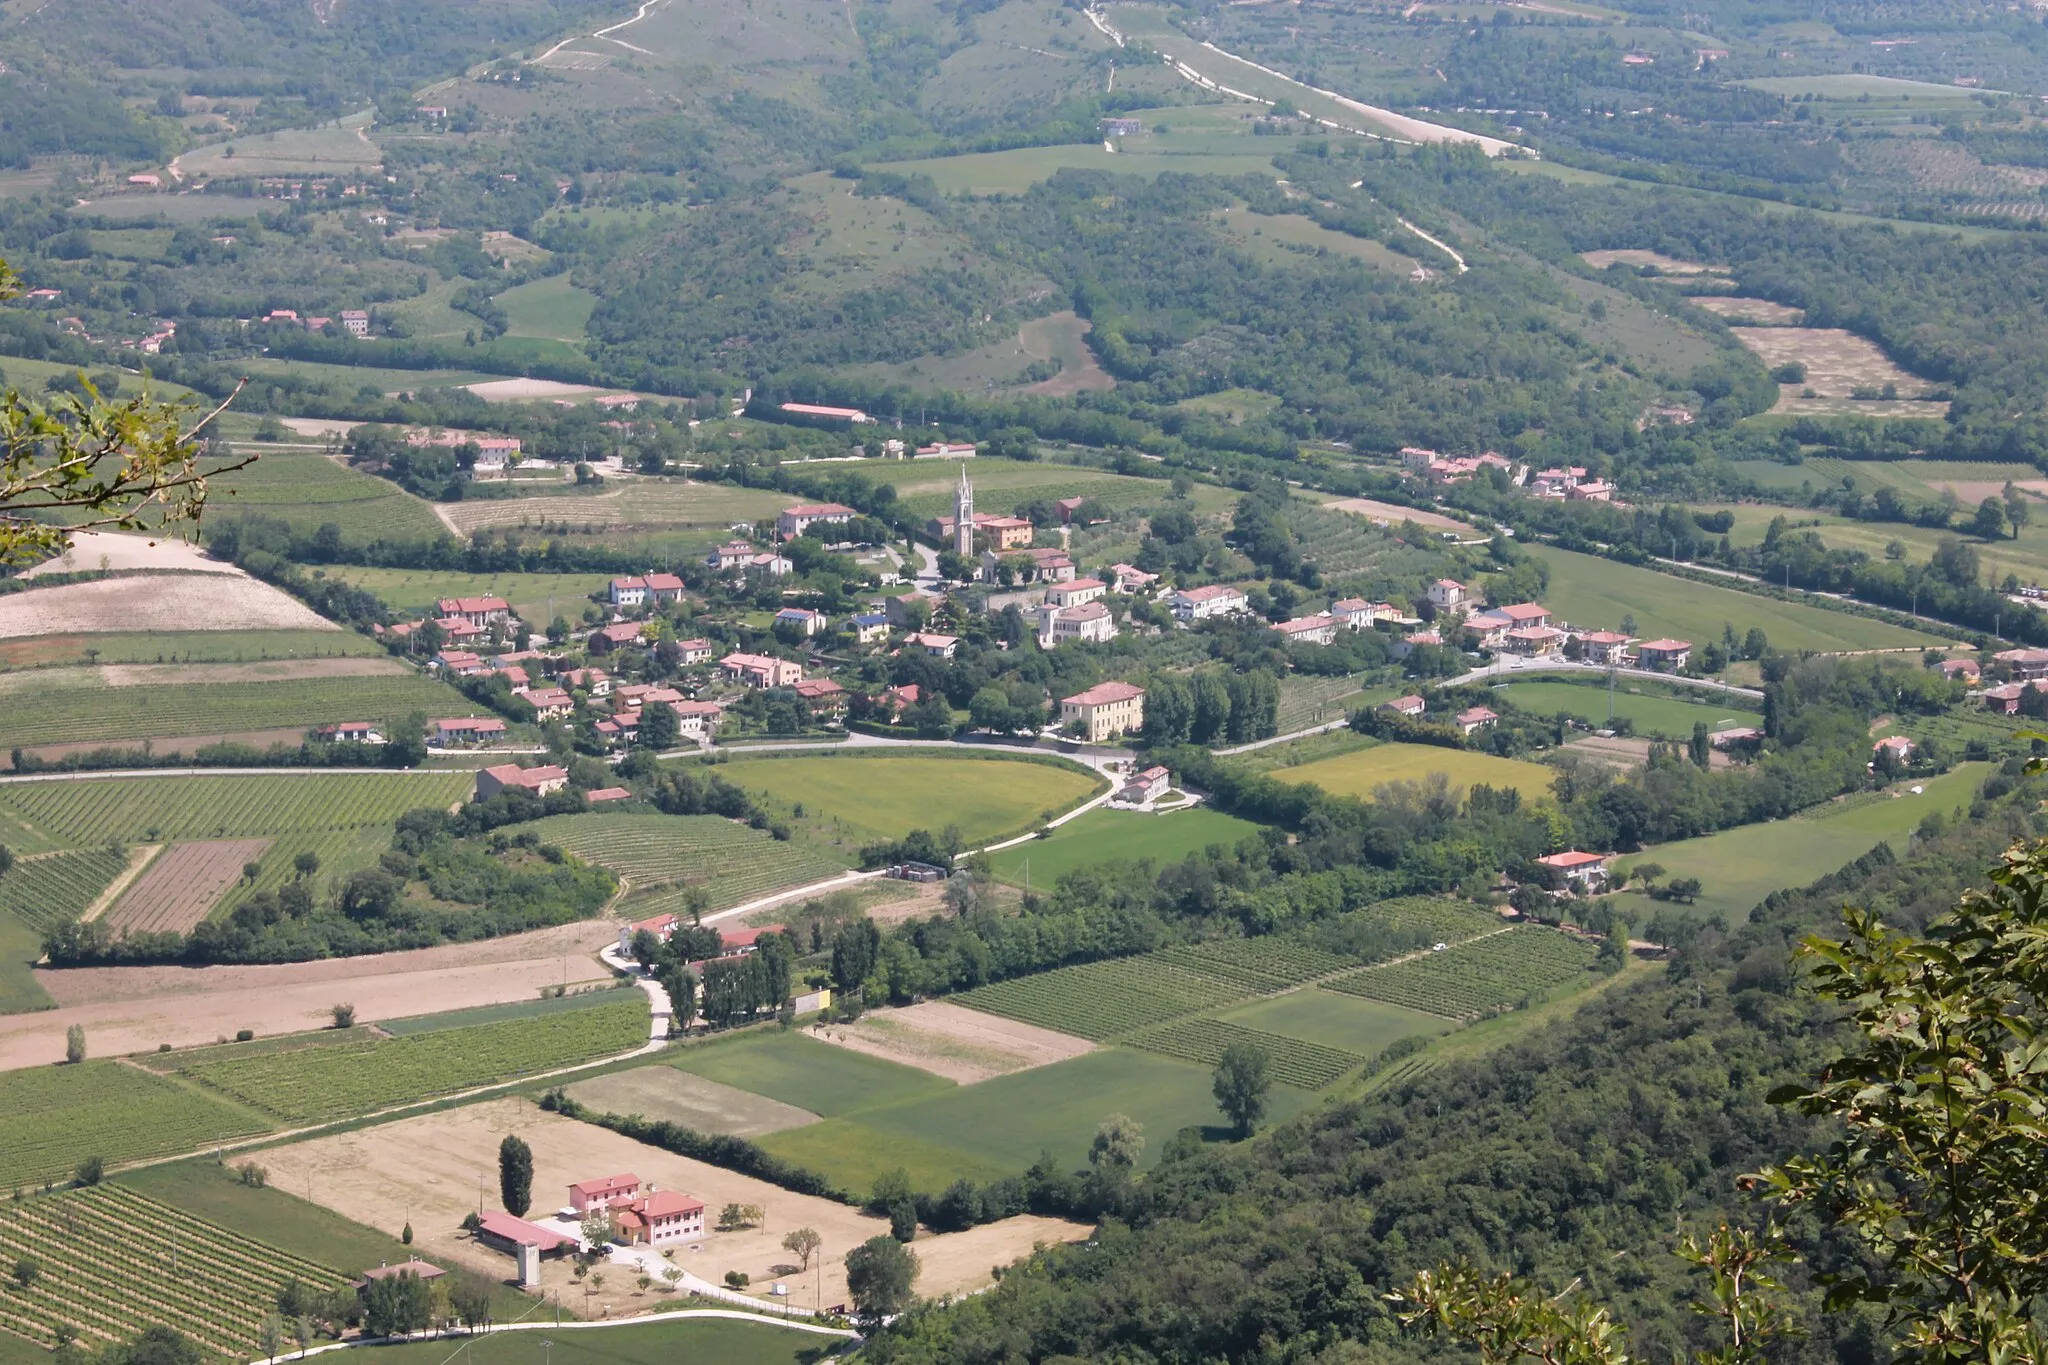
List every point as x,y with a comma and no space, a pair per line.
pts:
182,885
1291,1061
113,1262
661,855
151,809
316,1084
1481,977
1257,964
56,888
310,490
52,1118
56,715
1103,1000
1307,700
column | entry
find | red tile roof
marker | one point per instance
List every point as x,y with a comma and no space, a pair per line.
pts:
1103,693
606,1186
521,1232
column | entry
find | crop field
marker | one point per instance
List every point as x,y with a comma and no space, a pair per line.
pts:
114,1262
1359,772
182,885
657,854
208,806
1103,1000
1291,1061
316,1084
849,801
301,151
551,307
638,504
1103,834
1348,1023
58,715
1307,700
806,1073
1652,714
537,597
56,888
52,1118
1477,978
582,999
309,490
1594,592
184,646
726,1341
1016,171
1259,965
1438,919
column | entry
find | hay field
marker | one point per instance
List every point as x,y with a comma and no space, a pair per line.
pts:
638,504
166,601
1750,312
1838,364
1358,773
850,801
1667,265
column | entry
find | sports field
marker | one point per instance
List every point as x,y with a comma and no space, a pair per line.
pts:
1357,773
1593,592
1652,714
1101,835
850,801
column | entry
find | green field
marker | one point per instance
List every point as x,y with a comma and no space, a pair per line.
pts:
551,307
1652,714
1593,592
309,490
853,1154
498,1014
315,1084
44,892
662,858
1101,835
71,710
1014,172
850,801
2025,556
1335,1020
811,1075
184,646
1357,773
1479,977
1109,999
52,1118
210,806
726,1341
537,597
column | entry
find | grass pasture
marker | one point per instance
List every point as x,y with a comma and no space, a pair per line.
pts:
551,308
654,854
536,597
663,1092
850,800
183,646
1651,712
56,713
807,1074
1101,835
1359,772
52,1118
1594,592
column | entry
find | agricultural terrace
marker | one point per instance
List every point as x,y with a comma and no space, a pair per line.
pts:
311,490
1650,711
49,889
1361,771
1588,590
182,885
848,801
113,1262
1480,977
660,858
52,1118
76,708
1102,835
315,1084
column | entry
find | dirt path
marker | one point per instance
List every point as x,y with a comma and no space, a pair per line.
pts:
139,857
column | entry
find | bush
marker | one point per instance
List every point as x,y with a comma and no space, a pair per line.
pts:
737,1279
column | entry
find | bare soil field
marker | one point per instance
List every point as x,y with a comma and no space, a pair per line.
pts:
270,670
1837,364
662,1092
1751,312
527,390
1600,260
1622,752
960,1044
91,550
133,1009
156,602
180,887
1394,514
1971,492
181,744
318,426
429,1171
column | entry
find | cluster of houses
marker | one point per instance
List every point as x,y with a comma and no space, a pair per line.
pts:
354,322
1569,483
640,1215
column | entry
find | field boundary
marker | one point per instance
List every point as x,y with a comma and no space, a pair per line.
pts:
139,858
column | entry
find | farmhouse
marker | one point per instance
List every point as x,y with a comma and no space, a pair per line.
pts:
1105,710
1475,718
586,1195
1308,630
349,732
511,777
1737,737
761,670
481,612
658,1216
1666,656
467,730
794,521
1199,604
1585,873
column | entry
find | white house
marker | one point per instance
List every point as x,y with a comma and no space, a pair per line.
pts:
1308,630
1447,593
1199,604
1088,621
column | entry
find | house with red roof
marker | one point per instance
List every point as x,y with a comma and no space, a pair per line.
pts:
586,1195
511,777
794,521
481,612
466,730
1105,710
1572,870
1666,656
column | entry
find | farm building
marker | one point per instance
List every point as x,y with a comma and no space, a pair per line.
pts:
946,450
819,410
415,1267
1105,710
511,777
1965,670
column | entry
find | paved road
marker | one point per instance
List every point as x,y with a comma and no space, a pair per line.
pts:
1506,664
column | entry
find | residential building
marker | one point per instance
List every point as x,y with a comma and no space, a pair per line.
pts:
1308,630
1199,604
794,521
1584,873
912,609
548,703
460,663
349,732
1044,565
1149,785
457,631
618,634
355,322
2024,664
1089,621
481,612
466,730
1105,710
1475,718
414,1267
619,730
734,554
1964,669
586,1195
1534,641
629,592
2004,700
1448,593
1359,614
1129,578
761,670
697,719
1603,647
1666,656
825,699
1486,629
658,1217
695,651
1410,706
997,533
1526,614
938,646
595,681
1593,490
802,619
1898,746
854,415
1075,592
511,777
869,627
1122,127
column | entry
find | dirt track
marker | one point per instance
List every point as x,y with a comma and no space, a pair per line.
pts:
132,1009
